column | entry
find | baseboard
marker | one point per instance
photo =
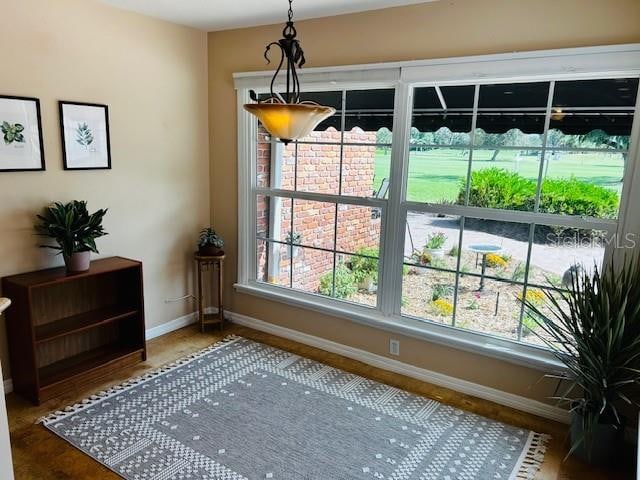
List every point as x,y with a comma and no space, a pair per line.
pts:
172,325
463,386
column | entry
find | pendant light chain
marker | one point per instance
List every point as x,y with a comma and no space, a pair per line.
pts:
284,115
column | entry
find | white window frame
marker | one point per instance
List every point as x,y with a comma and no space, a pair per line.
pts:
549,65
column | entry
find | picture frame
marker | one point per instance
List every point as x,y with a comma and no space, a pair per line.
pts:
84,128
21,142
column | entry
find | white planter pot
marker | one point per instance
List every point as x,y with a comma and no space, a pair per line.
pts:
367,284
435,252
78,262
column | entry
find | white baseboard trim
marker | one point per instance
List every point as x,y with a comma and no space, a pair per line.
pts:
171,325
463,386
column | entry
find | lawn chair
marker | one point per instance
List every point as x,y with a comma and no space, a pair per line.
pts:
376,212
380,195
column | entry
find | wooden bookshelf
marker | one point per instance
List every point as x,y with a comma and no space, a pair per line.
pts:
69,329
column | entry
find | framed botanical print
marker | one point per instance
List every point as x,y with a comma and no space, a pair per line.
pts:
85,136
21,147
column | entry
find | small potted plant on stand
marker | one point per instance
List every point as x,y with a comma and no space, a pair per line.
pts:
75,231
435,245
210,244
594,330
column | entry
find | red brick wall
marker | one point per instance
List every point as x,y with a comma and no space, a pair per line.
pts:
318,170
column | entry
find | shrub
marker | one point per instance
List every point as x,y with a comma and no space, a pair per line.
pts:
442,307
498,188
494,260
345,283
502,189
365,266
455,251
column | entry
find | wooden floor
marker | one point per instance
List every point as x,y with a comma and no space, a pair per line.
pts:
38,454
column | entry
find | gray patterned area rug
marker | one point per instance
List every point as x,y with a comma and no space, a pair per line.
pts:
244,410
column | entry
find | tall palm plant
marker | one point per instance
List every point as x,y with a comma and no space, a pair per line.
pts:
594,329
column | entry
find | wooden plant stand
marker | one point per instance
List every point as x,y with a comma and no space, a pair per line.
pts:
216,265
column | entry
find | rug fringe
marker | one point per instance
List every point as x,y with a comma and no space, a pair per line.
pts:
532,458
113,390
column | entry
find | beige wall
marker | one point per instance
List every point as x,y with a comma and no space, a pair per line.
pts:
440,29
153,76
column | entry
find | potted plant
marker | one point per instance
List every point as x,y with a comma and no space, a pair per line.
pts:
75,231
435,244
210,244
594,329
293,239
422,258
365,268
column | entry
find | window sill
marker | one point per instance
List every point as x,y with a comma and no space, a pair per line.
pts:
512,352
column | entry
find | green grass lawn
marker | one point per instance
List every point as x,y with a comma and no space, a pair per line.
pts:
436,175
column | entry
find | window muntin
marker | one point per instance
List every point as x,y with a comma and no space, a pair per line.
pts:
536,154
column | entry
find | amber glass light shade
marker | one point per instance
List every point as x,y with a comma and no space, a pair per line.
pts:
289,121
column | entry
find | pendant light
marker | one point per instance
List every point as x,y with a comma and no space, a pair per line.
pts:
285,116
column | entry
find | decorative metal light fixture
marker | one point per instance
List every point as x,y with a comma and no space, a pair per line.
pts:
286,117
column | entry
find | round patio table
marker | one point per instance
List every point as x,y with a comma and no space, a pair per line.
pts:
484,249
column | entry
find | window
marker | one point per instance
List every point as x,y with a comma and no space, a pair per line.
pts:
320,201
438,207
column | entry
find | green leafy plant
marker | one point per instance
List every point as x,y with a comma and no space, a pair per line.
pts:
71,226
441,290
84,135
366,265
455,251
208,236
345,283
519,272
473,303
12,132
594,329
435,241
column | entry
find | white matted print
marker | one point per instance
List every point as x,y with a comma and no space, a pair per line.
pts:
20,134
85,136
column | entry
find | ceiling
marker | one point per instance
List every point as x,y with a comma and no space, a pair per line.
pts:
213,15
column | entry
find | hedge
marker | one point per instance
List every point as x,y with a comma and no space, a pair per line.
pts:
502,189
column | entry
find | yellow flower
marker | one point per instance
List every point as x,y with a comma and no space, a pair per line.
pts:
442,307
534,296
495,260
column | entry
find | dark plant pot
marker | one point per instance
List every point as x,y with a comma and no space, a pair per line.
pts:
210,251
78,262
607,441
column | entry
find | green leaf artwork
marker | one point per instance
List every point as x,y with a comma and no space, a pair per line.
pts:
12,132
84,135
